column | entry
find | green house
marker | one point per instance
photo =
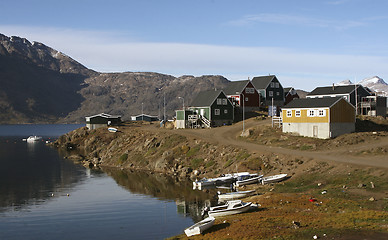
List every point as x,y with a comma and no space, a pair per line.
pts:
209,109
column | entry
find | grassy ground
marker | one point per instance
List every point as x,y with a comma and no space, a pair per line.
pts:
338,203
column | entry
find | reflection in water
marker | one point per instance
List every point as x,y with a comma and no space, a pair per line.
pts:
164,187
30,173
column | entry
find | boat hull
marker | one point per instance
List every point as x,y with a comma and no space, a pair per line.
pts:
229,211
235,195
200,227
273,179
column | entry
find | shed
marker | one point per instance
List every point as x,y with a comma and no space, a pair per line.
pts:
319,117
102,120
144,117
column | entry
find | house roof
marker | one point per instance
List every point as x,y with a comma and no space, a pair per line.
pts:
205,98
235,86
347,89
104,115
313,102
262,82
287,89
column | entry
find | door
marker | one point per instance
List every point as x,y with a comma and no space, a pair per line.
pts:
203,112
315,131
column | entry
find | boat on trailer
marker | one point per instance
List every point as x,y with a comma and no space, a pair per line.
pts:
200,226
230,208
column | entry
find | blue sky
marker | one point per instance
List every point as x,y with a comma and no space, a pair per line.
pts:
306,43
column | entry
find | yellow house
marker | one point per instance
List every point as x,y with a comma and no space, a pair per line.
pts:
319,117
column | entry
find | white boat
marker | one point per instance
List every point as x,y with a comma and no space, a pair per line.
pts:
273,179
235,195
209,182
248,179
33,139
200,227
112,129
231,207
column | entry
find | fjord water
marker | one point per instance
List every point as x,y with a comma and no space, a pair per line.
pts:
45,196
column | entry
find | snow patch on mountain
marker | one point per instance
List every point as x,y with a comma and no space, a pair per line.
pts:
374,83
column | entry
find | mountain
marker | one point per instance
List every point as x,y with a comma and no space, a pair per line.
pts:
375,83
42,85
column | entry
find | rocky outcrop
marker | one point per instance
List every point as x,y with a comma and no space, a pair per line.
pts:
166,152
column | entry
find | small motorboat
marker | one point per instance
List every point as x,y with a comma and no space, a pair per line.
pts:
112,129
33,138
200,226
273,179
231,207
234,195
210,182
248,179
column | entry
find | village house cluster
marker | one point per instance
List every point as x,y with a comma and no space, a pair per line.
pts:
326,112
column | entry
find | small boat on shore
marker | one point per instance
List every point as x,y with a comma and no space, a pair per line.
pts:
33,139
273,179
230,208
248,179
235,195
209,182
112,129
200,226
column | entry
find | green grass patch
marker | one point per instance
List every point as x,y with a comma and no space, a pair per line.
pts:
193,151
210,163
306,147
123,158
196,162
242,156
228,163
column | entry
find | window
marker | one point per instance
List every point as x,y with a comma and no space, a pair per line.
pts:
224,101
272,84
310,113
219,101
225,111
289,113
246,99
216,111
250,90
270,93
277,85
297,113
321,113
277,93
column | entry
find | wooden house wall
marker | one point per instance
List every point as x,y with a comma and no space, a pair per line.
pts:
342,112
303,117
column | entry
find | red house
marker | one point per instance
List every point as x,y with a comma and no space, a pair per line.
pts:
238,90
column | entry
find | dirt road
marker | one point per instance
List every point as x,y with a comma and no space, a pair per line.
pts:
229,135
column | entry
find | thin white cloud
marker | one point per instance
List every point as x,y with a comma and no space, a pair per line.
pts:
338,2
106,52
285,19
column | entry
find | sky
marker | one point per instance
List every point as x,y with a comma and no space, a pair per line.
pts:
305,43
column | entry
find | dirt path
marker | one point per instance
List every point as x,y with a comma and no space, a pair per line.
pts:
229,135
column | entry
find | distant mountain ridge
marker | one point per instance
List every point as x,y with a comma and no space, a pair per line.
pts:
42,85
374,83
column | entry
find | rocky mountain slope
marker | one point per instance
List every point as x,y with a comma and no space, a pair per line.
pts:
40,84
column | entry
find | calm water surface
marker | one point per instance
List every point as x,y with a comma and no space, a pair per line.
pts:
44,196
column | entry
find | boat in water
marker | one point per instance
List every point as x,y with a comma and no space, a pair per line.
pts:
229,208
235,195
212,182
200,226
33,138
